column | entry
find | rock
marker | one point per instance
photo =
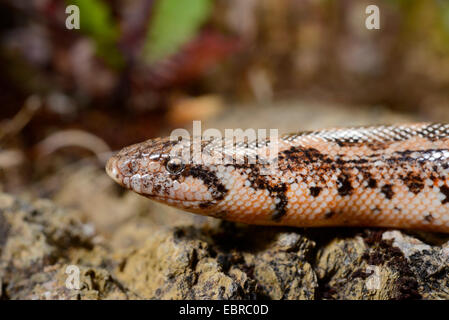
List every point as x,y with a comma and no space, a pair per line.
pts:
224,263
383,265
36,238
429,264
40,244
50,284
33,235
344,267
284,271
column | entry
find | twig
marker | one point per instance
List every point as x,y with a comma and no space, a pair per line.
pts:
78,138
22,118
10,158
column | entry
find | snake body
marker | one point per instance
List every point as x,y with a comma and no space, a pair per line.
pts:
379,176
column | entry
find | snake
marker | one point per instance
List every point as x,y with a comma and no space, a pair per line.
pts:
392,176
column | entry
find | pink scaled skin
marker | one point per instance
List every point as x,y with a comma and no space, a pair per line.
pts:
380,176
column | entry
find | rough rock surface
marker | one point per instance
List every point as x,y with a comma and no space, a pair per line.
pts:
211,260
228,262
37,243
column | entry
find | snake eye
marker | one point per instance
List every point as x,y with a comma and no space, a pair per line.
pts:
174,165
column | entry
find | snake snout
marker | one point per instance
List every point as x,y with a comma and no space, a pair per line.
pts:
112,171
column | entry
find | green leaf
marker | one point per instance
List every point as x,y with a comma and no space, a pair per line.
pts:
97,22
444,11
174,23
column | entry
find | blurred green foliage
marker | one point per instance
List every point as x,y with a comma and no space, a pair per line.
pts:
426,21
174,22
96,21
443,10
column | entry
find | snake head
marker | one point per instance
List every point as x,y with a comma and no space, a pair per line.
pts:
155,169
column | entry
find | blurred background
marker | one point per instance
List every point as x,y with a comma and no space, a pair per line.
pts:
137,69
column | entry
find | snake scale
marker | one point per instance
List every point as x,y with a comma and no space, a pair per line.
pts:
378,176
